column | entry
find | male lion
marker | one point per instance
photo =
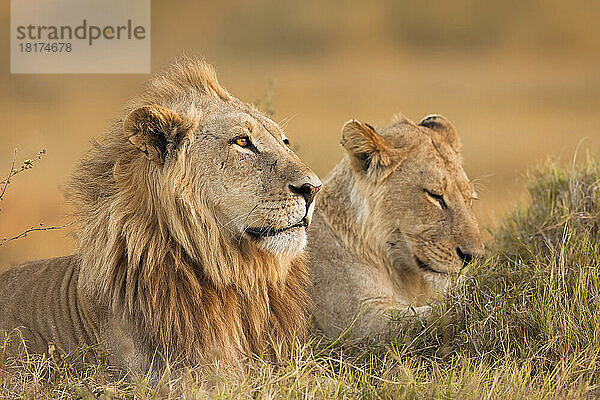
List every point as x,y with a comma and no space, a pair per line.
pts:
393,222
193,213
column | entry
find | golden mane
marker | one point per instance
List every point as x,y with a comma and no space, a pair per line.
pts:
184,76
162,262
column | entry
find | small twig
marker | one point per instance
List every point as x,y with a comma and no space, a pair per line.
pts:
27,164
10,174
34,229
266,103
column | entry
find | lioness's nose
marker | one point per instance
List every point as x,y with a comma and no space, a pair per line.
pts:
464,257
468,256
308,190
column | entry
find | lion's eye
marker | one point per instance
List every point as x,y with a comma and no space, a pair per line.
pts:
286,141
242,141
437,197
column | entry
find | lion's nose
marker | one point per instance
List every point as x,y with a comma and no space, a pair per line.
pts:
306,190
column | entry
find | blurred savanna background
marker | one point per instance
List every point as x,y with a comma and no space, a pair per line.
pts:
519,79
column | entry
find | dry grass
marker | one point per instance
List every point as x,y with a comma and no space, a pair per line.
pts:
523,323
520,81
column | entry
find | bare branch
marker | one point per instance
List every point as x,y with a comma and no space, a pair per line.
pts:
266,103
10,174
27,164
34,229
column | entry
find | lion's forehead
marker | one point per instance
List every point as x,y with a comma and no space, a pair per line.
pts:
270,126
241,117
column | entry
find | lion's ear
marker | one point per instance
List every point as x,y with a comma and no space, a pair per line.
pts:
369,153
444,127
156,131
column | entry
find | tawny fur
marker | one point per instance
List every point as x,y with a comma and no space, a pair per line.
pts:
375,217
157,274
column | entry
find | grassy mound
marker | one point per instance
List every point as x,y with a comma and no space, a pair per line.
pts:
528,315
523,323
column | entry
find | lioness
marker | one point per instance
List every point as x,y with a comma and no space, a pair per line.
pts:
193,215
393,222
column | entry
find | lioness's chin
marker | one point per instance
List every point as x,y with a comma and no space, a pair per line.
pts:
289,243
438,284
437,276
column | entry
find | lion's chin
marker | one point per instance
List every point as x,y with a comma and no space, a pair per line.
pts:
289,243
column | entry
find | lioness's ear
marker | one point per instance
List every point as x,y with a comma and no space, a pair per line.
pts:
444,127
368,151
156,131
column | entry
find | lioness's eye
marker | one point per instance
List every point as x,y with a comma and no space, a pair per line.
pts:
286,141
437,197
